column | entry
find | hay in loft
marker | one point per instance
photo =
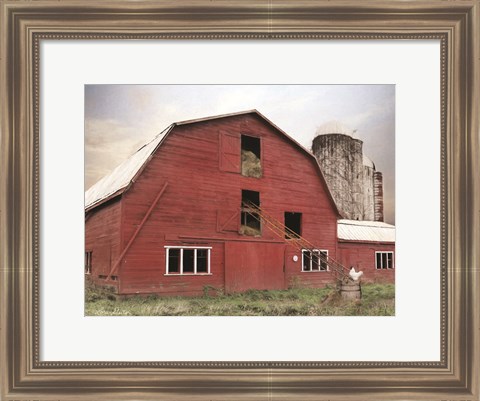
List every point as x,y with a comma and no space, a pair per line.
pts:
251,166
252,231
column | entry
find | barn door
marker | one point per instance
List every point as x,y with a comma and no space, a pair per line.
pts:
254,266
229,152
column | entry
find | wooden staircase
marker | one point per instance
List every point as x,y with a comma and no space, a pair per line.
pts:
339,272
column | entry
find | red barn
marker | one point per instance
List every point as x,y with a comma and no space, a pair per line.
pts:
222,203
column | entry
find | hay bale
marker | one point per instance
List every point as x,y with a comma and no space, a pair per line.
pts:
251,166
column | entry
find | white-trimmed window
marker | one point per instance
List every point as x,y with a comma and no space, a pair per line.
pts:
314,260
384,260
88,262
187,260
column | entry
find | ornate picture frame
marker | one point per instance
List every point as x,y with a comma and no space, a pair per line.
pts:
24,24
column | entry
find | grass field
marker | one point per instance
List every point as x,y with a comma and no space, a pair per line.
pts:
377,300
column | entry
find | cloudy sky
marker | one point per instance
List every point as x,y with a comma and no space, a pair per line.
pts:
121,118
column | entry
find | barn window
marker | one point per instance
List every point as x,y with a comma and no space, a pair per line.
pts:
187,260
88,262
314,260
173,260
249,217
251,156
384,260
293,225
202,260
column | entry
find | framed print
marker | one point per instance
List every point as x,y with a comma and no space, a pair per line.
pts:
217,115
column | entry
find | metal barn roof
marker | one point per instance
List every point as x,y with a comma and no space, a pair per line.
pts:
373,231
123,175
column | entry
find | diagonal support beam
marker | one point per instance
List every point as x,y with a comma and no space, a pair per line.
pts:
137,231
230,219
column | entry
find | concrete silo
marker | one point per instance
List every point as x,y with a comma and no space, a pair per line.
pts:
351,176
378,195
368,189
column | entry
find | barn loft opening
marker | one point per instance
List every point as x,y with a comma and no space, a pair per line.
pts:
251,151
293,224
250,220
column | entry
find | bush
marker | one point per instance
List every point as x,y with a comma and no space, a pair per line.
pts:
95,292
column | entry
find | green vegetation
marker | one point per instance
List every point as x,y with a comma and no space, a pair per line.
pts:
377,300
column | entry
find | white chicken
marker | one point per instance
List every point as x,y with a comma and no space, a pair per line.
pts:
355,275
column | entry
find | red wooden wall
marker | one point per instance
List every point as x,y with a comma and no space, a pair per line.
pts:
294,277
362,257
254,265
103,237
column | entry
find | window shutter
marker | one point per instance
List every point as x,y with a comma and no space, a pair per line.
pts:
228,220
229,152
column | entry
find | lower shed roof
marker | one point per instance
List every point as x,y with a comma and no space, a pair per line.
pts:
371,231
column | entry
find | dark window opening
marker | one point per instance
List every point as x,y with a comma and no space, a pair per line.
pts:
174,260
202,260
293,225
250,219
251,157
249,197
306,257
315,264
390,260
188,261
324,260
88,262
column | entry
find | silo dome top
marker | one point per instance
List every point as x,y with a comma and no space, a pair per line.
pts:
335,127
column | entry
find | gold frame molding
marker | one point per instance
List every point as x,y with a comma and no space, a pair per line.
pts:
23,24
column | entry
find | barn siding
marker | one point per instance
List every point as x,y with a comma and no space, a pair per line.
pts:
144,271
198,191
102,236
362,257
254,265
294,277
